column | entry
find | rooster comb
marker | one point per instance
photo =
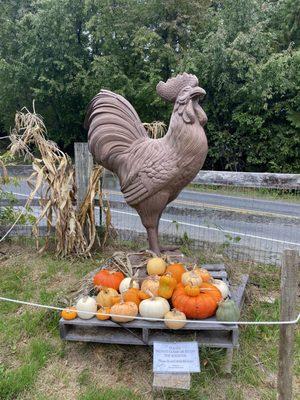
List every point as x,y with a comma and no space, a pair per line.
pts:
169,90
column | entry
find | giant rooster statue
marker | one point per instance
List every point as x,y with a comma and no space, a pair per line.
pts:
152,172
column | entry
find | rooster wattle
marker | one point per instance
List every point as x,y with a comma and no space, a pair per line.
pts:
152,172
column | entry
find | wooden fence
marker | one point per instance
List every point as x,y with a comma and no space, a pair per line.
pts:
83,163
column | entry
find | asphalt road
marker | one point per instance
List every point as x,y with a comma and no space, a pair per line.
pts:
192,198
263,226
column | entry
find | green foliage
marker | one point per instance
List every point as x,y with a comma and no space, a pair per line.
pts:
246,54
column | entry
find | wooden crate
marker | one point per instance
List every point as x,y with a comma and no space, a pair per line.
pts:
139,332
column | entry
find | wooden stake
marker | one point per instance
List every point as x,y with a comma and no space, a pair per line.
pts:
289,284
83,169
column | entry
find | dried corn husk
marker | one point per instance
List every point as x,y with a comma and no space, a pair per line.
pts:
155,129
74,229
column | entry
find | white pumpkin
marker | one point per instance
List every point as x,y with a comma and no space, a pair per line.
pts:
222,286
128,283
155,307
86,303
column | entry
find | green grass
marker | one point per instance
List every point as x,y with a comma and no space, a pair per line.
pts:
36,365
262,193
15,381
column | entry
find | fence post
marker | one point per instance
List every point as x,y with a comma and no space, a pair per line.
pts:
289,284
83,170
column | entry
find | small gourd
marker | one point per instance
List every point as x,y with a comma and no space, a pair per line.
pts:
132,294
128,283
156,266
150,284
155,307
227,311
125,311
203,274
167,284
69,313
103,313
178,317
192,290
105,297
191,278
86,304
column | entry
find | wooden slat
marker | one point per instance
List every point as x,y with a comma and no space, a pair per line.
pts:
119,335
248,179
241,179
203,338
141,324
219,274
238,293
214,267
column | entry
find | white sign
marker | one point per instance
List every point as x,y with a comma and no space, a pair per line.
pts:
175,357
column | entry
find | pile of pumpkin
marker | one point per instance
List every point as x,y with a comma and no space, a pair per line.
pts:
192,294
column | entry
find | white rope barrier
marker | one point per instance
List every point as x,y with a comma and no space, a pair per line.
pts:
27,303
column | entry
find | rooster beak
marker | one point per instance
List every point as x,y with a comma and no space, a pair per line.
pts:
197,92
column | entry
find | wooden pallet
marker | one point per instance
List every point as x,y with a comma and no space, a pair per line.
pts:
140,332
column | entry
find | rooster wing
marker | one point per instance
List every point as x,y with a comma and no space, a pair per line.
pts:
154,167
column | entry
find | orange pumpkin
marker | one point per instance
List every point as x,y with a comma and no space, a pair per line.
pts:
206,287
176,270
203,274
202,306
167,284
110,279
116,299
144,295
69,313
133,295
102,313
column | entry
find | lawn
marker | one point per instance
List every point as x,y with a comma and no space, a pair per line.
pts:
36,365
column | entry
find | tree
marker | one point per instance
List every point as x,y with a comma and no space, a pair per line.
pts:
245,53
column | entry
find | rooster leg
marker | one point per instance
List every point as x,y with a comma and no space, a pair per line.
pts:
153,240
150,211
165,248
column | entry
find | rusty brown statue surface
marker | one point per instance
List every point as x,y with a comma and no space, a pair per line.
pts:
152,172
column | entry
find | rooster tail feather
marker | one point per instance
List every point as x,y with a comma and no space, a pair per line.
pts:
113,125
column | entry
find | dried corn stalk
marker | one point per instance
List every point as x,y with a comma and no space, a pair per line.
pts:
54,175
155,129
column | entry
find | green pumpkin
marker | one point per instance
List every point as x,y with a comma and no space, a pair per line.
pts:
227,311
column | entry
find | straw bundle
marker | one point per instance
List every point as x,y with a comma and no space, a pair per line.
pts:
155,129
